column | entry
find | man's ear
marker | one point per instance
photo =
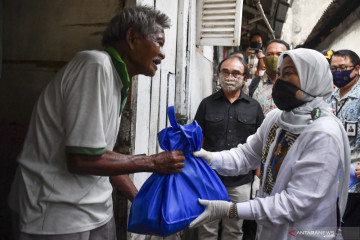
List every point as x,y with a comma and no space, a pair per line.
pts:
357,68
131,37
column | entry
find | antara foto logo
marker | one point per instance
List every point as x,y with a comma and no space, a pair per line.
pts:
292,233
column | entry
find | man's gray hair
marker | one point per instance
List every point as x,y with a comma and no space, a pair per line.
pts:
142,18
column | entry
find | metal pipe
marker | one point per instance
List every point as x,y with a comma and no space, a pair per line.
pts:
259,7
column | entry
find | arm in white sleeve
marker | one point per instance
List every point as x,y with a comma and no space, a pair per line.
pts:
239,160
312,175
244,211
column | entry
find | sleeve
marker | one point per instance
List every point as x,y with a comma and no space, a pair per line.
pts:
85,118
314,173
244,211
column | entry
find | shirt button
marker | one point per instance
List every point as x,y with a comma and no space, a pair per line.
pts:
228,144
230,117
229,131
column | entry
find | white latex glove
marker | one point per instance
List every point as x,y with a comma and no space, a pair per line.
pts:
214,210
255,187
207,156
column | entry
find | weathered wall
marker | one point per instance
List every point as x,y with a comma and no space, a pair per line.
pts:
304,15
201,82
301,19
345,36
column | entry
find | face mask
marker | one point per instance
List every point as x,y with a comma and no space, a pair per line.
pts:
342,78
261,73
231,84
271,64
284,95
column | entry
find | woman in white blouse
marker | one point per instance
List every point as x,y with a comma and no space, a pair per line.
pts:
301,148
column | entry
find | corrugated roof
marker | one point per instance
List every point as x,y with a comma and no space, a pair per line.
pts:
334,14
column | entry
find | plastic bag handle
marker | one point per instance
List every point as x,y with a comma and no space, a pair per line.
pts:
172,117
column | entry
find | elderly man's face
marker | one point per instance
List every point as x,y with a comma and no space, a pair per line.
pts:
149,53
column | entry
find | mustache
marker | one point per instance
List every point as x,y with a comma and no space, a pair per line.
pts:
230,79
157,59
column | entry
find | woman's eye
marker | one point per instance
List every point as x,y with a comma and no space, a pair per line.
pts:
287,73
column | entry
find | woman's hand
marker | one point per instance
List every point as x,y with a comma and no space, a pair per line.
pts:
207,156
214,210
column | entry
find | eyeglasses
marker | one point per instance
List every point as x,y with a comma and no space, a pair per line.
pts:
340,68
235,74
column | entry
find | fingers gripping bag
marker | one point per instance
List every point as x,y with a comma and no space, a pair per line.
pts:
167,204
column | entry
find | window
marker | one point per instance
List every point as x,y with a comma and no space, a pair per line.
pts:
219,22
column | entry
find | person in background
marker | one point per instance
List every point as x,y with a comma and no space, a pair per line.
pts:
241,54
61,189
227,118
328,54
244,56
260,88
345,102
255,53
261,68
301,147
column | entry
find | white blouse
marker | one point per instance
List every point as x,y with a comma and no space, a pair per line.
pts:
303,200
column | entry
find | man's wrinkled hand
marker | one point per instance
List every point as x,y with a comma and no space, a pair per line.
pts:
168,162
207,156
215,209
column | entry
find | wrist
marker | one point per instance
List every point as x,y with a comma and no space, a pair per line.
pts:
233,213
145,163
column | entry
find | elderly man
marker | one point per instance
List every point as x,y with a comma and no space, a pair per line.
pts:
345,102
61,189
227,118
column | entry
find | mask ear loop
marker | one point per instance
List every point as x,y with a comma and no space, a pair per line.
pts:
316,112
306,93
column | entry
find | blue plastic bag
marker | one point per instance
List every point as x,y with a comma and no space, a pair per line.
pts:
167,204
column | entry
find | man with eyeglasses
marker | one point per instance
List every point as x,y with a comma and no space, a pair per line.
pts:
345,102
260,88
227,118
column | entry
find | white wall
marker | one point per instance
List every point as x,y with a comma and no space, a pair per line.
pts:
346,35
201,82
301,19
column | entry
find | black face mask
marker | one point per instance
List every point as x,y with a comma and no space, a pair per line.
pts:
284,95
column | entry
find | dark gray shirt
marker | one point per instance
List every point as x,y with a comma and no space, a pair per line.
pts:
225,125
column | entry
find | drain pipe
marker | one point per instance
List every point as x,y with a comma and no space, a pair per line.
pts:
259,7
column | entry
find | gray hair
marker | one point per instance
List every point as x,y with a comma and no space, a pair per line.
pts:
142,18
